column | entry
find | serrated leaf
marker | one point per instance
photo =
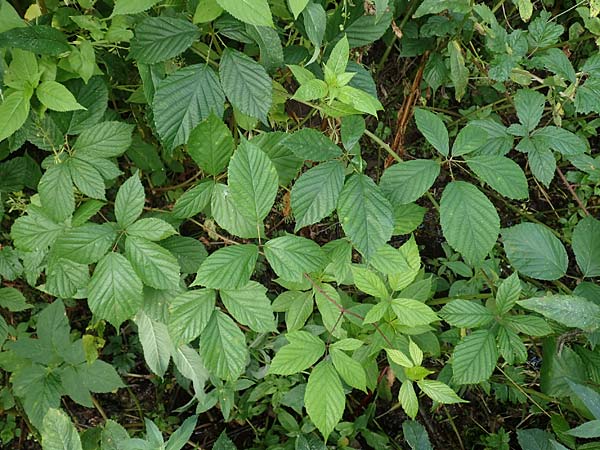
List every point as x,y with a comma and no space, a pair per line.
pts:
434,130
58,433
502,174
561,140
469,221
534,251
194,200
253,182
586,245
132,6
310,144
541,162
85,244
407,181
408,399
508,293
246,83
130,200
469,139
36,230
466,314
211,145
87,178
156,266
56,97
253,12
189,314
569,310
15,108
183,100
365,214
459,74
13,300
228,268
303,351
413,431
324,398
315,194
223,347
151,229
188,362
369,282
286,163
228,215
56,192
349,369
292,256
160,38
413,313
530,107
115,290
156,343
439,392
475,357
104,140
250,306
528,324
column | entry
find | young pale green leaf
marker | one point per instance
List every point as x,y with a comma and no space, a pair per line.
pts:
58,433
297,6
253,182
349,369
115,290
324,398
189,314
85,244
228,268
408,399
104,140
366,215
303,351
502,174
508,293
250,306
156,343
369,282
15,110
397,357
56,192
292,256
253,12
439,392
156,266
377,312
183,100
469,221
475,358
132,6
311,90
315,194
160,38
407,181
338,58
56,97
359,100
207,11
310,144
151,229
569,310
586,245
413,313
434,130
534,251
466,314
223,347
130,200
530,107
194,200
211,145
246,84
228,215
469,139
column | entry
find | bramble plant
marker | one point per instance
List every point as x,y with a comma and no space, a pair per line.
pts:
311,220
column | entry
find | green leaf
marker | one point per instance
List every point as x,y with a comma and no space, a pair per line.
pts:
156,266
211,145
132,6
228,267
359,100
475,357
188,362
292,256
324,398
349,369
466,314
529,325
104,140
269,43
58,433
253,12
469,139
246,83
15,108
151,229
502,174
311,90
309,144
297,6
534,439
189,252
459,74
286,163
542,163
561,140
36,230
367,29
407,181
439,392
64,277
39,389
414,432
413,313
253,182
407,218
223,347
469,221
194,200
530,107
207,11
338,58
408,399
569,310
156,343
303,351
228,215
56,97
183,100
87,178
85,244
250,306
434,130
39,39
13,300
534,251
369,282
589,397
366,215
508,294
586,430
130,200
189,314
586,245
182,435
315,194
511,346
56,192
160,38
115,290
315,24
224,443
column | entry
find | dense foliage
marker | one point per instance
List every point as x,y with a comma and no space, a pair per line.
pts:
299,218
